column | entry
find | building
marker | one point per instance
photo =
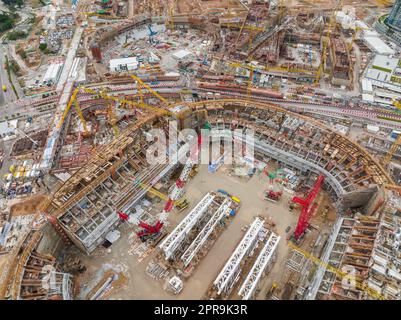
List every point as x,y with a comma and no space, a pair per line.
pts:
123,64
182,55
382,81
385,72
391,25
394,18
96,52
52,74
341,68
377,45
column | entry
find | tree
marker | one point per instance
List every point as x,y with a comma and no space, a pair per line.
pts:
43,46
14,3
14,35
6,21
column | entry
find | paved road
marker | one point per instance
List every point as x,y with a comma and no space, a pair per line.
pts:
9,95
64,87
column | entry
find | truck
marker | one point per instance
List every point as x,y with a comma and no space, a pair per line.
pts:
182,205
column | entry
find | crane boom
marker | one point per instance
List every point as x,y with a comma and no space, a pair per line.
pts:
307,207
144,85
341,274
174,197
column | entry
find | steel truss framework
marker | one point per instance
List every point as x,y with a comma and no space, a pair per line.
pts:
201,238
265,257
229,273
174,239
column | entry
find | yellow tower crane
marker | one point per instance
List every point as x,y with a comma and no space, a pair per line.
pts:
265,68
235,25
113,119
326,43
357,29
73,100
170,18
385,3
251,72
339,273
281,7
141,85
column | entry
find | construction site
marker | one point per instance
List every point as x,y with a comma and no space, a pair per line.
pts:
274,133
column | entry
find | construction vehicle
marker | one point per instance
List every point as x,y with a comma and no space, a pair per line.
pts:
308,207
153,231
272,290
182,204
159,194
273,196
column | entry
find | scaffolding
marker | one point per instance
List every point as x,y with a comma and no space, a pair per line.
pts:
201,238
175,238
265,258
230,272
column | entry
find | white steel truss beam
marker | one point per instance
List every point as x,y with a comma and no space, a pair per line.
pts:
170,244
248,287
230,269
201,238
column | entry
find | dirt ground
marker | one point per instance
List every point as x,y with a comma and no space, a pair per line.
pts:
141,286
28,206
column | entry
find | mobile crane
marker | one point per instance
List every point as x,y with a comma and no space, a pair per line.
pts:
151,231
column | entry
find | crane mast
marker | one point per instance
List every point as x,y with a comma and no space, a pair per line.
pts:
307,207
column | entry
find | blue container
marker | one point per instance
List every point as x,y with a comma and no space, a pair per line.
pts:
222,191
232,213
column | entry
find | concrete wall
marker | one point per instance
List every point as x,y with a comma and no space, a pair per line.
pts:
372,207
358,198
51,242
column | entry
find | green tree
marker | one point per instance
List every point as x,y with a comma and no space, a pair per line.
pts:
43,46
14,3
6,21
14,35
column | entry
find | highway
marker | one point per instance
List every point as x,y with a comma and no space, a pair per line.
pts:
65,86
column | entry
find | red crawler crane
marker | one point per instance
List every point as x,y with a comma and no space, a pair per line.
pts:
308,207
175,194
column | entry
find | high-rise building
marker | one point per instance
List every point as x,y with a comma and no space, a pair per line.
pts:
394,18
391,26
